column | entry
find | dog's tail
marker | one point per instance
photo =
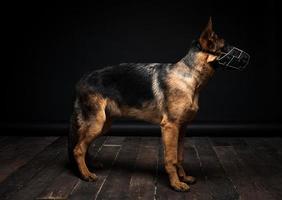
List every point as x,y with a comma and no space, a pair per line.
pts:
73,137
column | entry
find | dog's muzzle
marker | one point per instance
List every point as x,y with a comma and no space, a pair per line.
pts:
233,57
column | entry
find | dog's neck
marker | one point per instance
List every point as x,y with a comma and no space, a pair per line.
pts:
197,63
190,59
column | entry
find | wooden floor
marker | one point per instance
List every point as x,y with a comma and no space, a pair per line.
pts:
226,168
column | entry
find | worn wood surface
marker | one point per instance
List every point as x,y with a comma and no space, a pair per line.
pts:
17,151
132,168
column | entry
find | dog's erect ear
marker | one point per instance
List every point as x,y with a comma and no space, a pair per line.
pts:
207,31
206,35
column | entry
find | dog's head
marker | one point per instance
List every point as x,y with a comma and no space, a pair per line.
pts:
219,51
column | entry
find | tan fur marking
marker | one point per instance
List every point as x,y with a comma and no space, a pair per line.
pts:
148,112
211,58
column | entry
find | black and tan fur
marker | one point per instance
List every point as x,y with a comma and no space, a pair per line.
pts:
164,94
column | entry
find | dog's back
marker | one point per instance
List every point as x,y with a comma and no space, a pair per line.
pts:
129,84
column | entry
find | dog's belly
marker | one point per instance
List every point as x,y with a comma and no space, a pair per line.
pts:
145,115
148,112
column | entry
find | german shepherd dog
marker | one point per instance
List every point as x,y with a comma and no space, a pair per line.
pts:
164,94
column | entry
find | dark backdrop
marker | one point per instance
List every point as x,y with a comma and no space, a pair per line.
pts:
48,46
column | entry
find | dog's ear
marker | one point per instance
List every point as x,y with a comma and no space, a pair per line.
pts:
205,38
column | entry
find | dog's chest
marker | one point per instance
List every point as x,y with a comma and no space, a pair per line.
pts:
182,94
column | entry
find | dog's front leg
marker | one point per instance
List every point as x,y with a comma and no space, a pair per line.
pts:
181,172
170,133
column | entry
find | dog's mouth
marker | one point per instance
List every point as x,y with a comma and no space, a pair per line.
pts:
233,57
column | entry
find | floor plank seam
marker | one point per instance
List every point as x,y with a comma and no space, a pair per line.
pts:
101,146
225,172
113,162
111,145
75,187
156,179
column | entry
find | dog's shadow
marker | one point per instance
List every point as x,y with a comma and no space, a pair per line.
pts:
155,172
99,165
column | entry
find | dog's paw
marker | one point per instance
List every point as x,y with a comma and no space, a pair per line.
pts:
180,186
189,179
89,177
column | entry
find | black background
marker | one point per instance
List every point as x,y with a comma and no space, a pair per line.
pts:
48,46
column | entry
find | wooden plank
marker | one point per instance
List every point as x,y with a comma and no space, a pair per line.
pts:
265,149
23,175
92,152
235,141
89,190
9,148
192,166
61,187
163,189
264,164
271,146
219,185
241,175
64,184
276,145
42,179
9,141
275,142
251,161
117,184
114,140
219,141
142,183
18,153
96,145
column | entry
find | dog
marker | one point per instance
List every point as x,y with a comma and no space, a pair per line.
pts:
163,94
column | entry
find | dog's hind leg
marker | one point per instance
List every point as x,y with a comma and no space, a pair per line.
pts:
170,139
181,172
89,129
94,163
